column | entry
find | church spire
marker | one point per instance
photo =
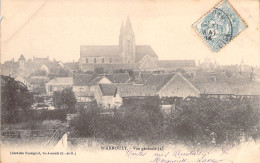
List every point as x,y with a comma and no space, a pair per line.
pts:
128,27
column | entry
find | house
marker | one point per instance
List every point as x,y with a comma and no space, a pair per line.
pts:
164,85
57,84
81,87
178,86
217,84
98,80
131,90
107,95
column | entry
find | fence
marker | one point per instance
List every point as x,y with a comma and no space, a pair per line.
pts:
27,133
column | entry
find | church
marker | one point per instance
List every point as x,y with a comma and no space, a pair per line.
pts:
125,55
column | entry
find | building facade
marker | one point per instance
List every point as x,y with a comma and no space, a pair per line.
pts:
125,55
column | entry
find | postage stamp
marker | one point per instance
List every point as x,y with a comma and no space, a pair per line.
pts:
219,26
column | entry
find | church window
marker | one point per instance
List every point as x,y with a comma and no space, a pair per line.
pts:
103,60
86,60
95,60
110,60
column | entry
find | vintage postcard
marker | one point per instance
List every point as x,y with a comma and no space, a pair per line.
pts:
156,81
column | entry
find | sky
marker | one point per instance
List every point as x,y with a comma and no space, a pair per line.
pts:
57,28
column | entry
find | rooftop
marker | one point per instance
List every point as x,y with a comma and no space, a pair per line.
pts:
108,89
62,80
176,63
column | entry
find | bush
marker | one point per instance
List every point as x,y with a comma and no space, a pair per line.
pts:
205,121
85,123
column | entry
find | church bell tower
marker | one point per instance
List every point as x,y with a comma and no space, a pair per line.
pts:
127,42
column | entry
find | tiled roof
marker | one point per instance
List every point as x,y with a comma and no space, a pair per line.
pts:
96,80
146,76
82,79
62,80
249,88
176,63
119,77
108,89
213,88
157,81
237,84
37,80
179,86
130,90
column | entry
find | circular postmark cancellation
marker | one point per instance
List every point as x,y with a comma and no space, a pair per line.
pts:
216,28
219,26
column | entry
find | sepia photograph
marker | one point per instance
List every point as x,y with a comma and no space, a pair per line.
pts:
130,81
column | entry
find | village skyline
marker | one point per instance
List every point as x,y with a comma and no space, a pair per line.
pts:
37,33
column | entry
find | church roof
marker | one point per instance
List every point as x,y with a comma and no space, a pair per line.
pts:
113,51
99,50
143,50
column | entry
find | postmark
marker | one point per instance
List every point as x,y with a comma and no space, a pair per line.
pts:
219,26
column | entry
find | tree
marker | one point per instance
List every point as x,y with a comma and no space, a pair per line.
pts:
15,97
65,99
203,120
84,124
